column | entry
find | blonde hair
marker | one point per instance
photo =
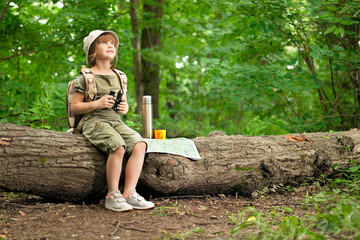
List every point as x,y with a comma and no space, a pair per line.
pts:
94,46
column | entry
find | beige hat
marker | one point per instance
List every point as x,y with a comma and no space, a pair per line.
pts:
93,36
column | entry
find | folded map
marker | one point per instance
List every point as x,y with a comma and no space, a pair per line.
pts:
178,146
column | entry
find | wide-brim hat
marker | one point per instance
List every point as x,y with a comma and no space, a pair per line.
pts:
88,40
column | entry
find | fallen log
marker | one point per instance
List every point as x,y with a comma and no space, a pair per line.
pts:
55,165
247,164
67,167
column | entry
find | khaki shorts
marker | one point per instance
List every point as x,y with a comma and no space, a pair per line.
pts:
110,135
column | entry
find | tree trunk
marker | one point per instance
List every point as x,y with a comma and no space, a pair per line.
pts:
150,40
67,167
139,86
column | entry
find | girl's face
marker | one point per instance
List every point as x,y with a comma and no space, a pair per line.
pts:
103,49
106,50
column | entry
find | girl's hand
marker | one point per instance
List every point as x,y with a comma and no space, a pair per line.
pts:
123,107
106,101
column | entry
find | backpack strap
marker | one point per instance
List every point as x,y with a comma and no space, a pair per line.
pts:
90,92
81,122
90,82
123,79
69,95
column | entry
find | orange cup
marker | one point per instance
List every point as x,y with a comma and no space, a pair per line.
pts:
160,134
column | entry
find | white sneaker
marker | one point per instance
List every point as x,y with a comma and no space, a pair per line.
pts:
116,202
138,202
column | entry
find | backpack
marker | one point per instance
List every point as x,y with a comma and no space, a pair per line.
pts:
75,121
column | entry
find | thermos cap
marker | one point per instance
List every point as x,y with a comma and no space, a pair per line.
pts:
147,99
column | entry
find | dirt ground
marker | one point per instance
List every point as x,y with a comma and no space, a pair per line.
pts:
183,217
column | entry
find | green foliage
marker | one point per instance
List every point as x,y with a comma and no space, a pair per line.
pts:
183,235
255,127
333,212
243,220
10,195
255,67
255,58
165,210
41,51
345,216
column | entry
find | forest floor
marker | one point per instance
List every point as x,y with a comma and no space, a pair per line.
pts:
25,216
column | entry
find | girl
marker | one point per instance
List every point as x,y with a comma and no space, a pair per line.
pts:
102,125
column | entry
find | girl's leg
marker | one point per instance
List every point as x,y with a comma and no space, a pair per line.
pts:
134,167
113,168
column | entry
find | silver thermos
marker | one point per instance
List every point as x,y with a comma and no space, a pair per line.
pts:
147,117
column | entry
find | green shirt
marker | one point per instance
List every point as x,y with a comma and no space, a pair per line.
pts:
104,84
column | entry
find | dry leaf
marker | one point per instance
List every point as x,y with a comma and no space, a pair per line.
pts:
22,213
298,138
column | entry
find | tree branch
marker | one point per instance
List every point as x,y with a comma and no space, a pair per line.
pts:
288,103
5,9
29,52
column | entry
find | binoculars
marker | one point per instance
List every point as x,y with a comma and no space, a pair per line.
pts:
117,100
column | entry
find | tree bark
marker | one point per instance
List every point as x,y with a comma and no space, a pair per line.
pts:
139,91
67,167
51,164
151,39
246,164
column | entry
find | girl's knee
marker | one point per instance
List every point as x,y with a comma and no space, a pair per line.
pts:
140,146
119,151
